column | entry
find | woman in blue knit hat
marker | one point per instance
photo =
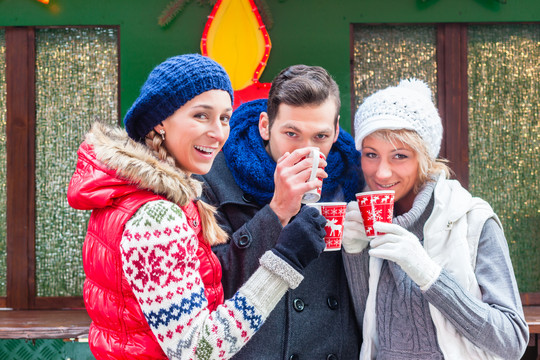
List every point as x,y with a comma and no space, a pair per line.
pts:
153,286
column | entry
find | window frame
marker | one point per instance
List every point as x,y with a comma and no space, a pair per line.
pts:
21,292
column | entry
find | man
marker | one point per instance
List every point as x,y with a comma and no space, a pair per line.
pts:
257,185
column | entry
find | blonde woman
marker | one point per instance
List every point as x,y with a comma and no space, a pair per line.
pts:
439,284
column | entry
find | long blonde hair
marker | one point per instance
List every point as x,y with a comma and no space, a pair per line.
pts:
213,234
429,168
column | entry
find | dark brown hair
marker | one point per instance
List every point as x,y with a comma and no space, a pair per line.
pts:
300,85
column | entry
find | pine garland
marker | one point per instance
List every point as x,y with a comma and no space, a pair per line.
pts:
171,11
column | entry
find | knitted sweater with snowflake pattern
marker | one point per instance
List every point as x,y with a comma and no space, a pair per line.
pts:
159,259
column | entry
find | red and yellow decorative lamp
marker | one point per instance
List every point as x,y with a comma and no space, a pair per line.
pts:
236,38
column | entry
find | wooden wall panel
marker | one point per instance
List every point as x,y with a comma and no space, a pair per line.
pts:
20,144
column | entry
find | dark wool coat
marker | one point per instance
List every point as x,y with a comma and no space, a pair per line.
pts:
315,320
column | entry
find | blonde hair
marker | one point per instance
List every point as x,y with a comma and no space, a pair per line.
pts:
429,168
213,234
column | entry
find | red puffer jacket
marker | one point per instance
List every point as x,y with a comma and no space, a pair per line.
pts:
119,329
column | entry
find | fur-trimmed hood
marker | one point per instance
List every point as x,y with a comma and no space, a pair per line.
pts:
111,165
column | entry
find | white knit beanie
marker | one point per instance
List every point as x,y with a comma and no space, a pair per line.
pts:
406,106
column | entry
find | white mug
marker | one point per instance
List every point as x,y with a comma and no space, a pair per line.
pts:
313,195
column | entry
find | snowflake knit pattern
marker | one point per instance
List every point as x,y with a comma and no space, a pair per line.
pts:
160,263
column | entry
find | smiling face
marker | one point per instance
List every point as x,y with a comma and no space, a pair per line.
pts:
388,166
196,132
297,127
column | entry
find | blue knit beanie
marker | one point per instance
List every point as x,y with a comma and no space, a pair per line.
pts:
169,86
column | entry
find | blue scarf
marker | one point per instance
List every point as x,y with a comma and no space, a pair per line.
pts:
253,168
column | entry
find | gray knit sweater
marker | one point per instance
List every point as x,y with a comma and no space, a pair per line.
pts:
404,326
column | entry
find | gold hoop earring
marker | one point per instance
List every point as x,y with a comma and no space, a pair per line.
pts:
162,133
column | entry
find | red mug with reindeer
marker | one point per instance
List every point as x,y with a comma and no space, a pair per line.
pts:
376,206
334,212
